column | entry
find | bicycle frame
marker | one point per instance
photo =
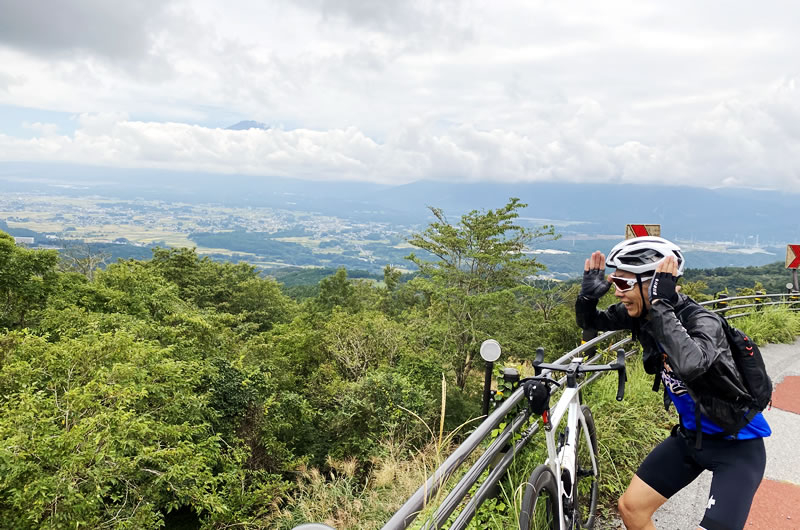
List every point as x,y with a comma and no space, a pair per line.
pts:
562,460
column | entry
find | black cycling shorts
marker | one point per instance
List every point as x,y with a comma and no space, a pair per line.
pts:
737,466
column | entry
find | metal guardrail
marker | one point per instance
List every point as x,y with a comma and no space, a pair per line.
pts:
427,492
499,454
723,305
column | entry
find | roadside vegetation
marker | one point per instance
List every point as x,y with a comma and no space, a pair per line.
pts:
770,278
182,392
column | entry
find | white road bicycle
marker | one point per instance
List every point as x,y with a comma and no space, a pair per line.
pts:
561,494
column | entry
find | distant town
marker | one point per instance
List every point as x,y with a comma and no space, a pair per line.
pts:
273,238
141,223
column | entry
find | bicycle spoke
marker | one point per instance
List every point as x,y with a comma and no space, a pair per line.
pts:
585,490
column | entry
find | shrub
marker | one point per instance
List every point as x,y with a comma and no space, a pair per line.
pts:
103,429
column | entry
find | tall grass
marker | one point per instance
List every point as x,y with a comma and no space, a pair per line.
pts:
339,499
626,432
770,325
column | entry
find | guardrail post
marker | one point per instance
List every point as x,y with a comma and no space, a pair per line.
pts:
587,335
759,301
490,352
722,304
487,387
511,379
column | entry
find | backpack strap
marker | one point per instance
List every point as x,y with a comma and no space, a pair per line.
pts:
656,385
689,308
698,432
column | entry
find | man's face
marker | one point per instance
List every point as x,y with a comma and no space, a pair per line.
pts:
632,298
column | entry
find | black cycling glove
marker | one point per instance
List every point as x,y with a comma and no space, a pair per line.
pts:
662,287
594,284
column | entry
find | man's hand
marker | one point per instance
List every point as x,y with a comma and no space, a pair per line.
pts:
663,286
595,284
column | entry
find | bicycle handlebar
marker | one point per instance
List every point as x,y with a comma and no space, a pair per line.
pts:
574,368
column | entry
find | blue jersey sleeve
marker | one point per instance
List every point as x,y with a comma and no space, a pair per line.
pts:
685,405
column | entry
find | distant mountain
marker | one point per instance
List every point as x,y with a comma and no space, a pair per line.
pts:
248,124
328,197
684,212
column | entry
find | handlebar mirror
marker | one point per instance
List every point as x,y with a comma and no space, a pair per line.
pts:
490,350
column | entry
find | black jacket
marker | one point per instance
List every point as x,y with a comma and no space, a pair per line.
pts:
696,349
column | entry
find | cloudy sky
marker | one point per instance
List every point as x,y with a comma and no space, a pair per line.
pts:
685,92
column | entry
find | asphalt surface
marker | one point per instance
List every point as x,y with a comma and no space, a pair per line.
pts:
777,502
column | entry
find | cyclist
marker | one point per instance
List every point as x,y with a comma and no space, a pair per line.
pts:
646,270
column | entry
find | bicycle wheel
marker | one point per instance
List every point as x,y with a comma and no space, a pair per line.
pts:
585,488
540,501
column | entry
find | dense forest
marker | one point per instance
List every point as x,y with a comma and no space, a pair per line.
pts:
183,392
182,385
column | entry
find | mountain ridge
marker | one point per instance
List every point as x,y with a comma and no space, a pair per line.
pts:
248,124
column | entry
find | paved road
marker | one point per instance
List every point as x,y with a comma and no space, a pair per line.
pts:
777,502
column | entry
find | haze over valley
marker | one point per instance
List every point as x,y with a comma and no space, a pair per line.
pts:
273,222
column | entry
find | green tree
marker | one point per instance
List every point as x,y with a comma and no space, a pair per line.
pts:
525,318
104,430
483,253
232,288
202,281
363,340
26,279
260,301
696,289
340,291
336,291
391,277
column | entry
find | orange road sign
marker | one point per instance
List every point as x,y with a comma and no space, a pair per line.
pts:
792,256
642,230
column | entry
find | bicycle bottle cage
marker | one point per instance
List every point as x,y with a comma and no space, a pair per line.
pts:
538,394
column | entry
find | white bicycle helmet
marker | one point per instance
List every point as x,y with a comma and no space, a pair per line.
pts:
640,255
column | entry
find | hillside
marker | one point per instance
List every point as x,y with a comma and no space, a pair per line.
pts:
184,392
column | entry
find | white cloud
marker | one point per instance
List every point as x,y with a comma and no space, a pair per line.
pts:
683,92
751,144
44,129
117,30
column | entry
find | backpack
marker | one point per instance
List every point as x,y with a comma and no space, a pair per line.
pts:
729,400
750,364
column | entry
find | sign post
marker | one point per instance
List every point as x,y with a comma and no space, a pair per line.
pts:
490,352
793,262
632,231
